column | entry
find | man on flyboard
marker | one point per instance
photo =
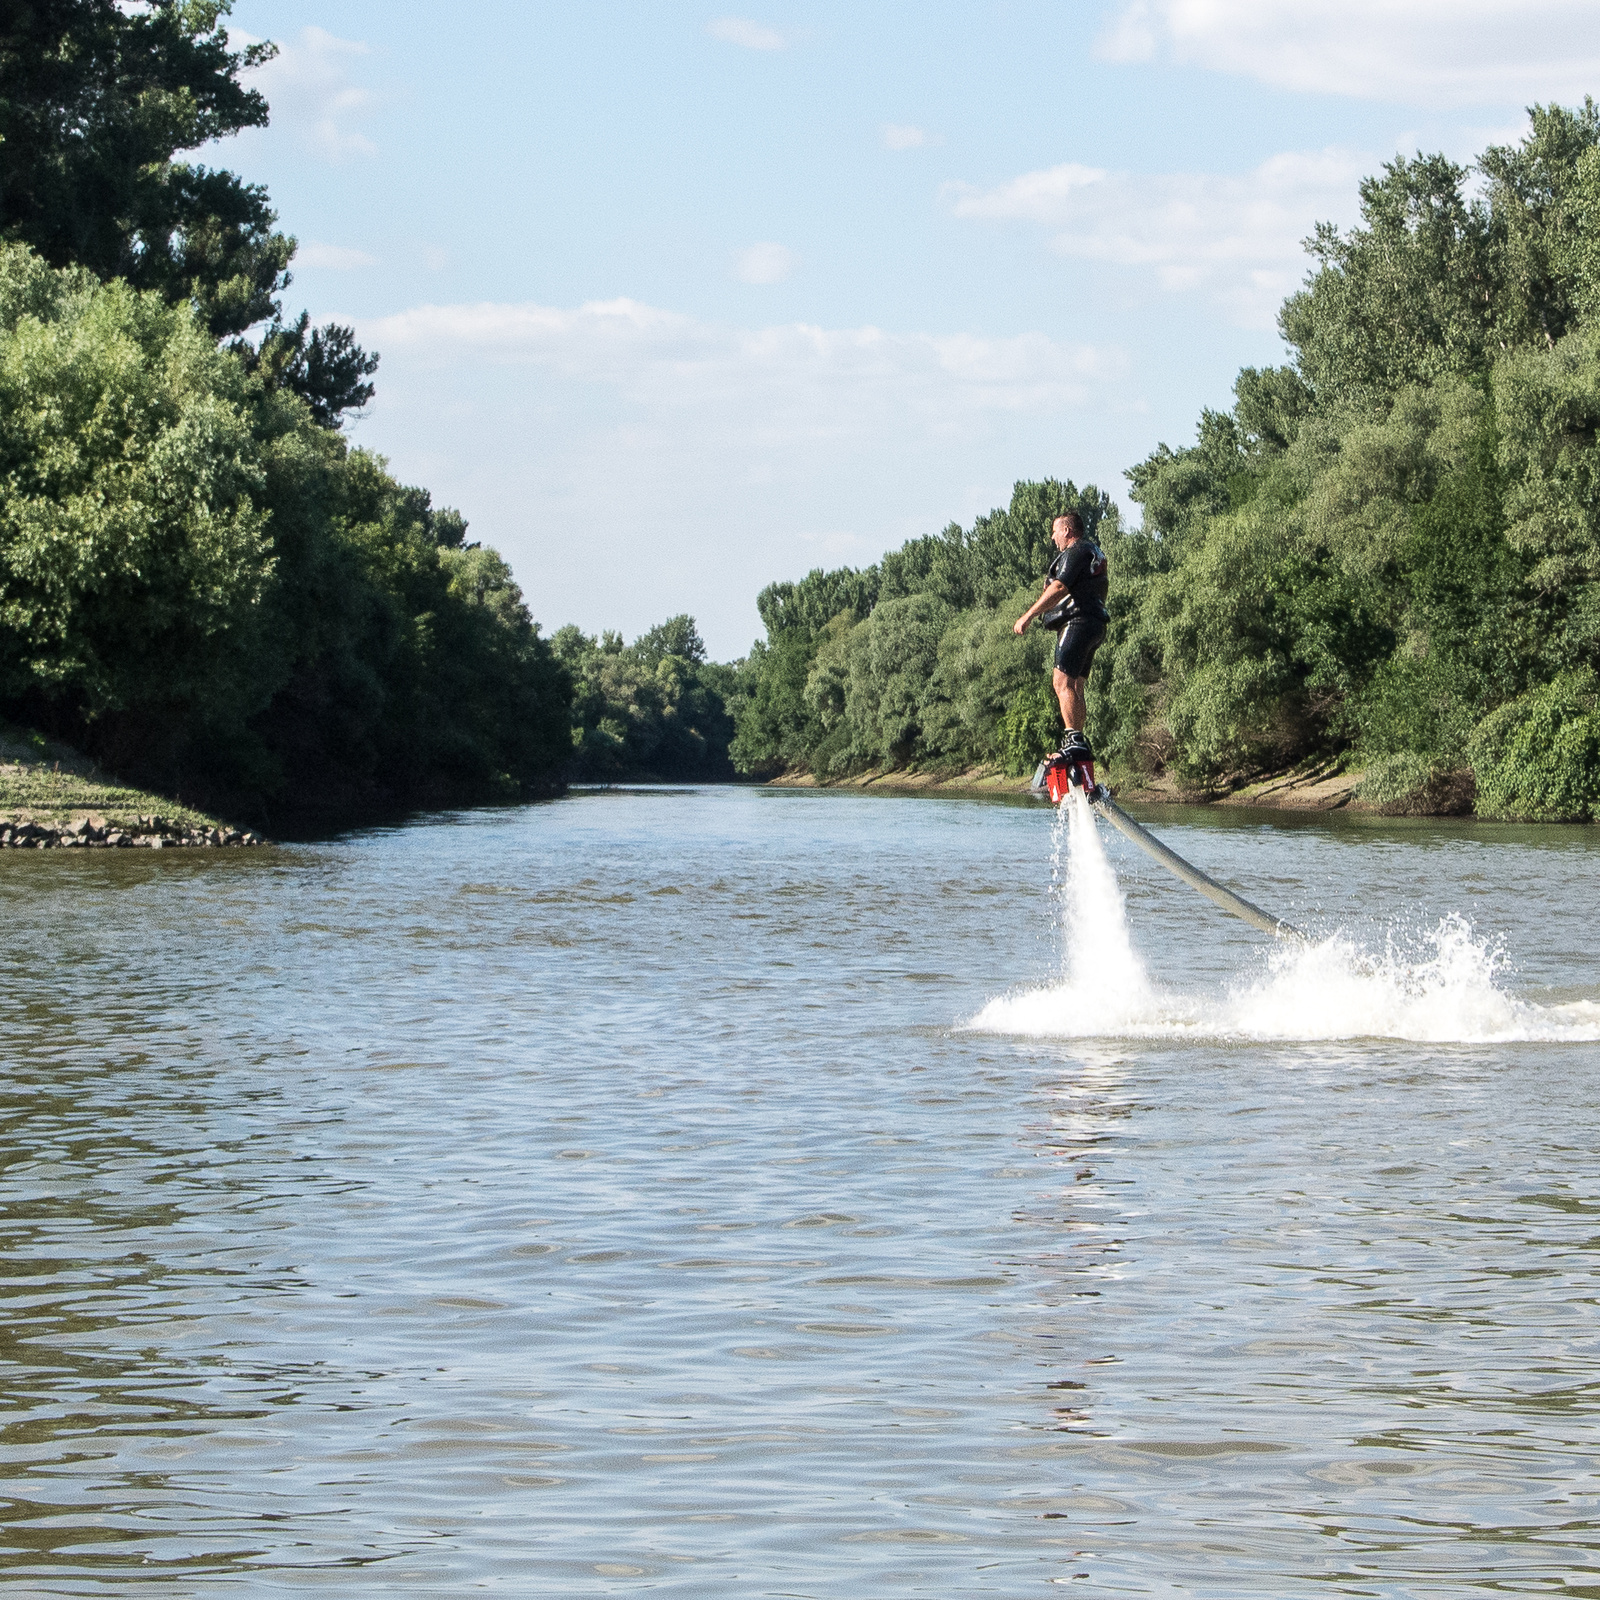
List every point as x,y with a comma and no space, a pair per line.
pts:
1074,600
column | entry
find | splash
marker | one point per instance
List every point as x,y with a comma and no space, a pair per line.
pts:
1442,989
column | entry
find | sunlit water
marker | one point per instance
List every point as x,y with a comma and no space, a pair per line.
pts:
748,1193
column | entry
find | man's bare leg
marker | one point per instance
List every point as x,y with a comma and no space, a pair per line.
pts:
1069,694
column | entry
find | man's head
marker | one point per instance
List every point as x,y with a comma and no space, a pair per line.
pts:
1065,529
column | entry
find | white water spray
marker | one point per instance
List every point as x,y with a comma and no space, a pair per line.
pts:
1445,990
1103,988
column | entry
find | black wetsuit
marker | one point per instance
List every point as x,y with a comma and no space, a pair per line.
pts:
1082,615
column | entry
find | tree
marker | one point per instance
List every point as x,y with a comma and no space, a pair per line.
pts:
823,690
655,707
134,548
1404,298
202,587
677,636
97,99
324,366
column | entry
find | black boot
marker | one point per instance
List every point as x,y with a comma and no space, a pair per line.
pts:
1075,746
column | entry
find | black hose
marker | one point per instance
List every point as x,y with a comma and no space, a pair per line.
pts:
1193,876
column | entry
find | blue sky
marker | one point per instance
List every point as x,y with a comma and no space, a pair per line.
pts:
673,301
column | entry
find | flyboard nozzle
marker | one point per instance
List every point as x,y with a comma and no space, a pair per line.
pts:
1060,775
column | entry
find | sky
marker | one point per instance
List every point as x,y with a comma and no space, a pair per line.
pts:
673,302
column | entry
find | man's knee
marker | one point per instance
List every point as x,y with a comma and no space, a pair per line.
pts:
1060,680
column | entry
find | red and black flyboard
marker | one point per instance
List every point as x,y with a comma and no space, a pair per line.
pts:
1061,774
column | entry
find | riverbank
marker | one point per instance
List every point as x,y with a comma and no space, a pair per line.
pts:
52,797
1315,786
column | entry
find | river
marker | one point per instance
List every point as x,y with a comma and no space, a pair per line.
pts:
733,1193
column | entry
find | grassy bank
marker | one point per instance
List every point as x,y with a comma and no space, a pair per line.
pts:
45,782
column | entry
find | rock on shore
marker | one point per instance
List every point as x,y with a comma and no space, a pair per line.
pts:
137,833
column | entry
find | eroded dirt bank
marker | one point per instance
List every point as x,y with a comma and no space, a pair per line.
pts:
1309,788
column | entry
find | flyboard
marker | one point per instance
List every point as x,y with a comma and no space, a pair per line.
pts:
1060,775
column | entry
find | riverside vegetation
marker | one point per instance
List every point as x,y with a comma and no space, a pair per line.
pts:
202,584
204,588
1384,556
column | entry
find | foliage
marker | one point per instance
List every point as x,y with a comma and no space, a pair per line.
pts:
207,590
134,552
1384,543
97,99
911,661
654,708
1538,757
324,366
1029,728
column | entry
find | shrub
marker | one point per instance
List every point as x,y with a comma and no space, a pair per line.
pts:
1538,757
1030,728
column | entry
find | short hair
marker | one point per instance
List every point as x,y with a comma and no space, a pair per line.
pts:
1073,521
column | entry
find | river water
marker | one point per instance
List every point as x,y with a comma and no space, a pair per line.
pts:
736,1193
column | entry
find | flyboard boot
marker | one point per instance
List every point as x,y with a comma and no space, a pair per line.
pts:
1071,767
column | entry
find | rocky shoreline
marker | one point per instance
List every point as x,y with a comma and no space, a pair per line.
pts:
140,833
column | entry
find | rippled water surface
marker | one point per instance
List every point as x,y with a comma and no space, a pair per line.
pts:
728,1193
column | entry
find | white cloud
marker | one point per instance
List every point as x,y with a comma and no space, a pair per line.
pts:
906,136
751,35
815,377
337,257
1425,52
309,90
1035,196
1234,239
764,263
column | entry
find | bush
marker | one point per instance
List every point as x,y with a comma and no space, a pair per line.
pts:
1030,728
1538,757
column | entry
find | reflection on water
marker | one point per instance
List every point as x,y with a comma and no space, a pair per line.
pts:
606,1197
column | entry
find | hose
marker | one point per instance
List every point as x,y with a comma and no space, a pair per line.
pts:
1193,876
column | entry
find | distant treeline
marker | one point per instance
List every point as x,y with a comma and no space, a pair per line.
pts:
656,708
1385,553
913,660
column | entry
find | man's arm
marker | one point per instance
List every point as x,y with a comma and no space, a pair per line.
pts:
1053,592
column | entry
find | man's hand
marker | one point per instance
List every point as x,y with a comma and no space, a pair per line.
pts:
1054,589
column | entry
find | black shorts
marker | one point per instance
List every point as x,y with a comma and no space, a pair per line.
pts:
1076,647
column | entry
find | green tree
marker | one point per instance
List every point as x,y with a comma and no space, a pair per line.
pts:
814,693
677,636
654,708
135,555
97,100
208,590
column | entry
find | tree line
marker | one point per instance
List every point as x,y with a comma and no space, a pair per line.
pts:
202,582
1385,553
